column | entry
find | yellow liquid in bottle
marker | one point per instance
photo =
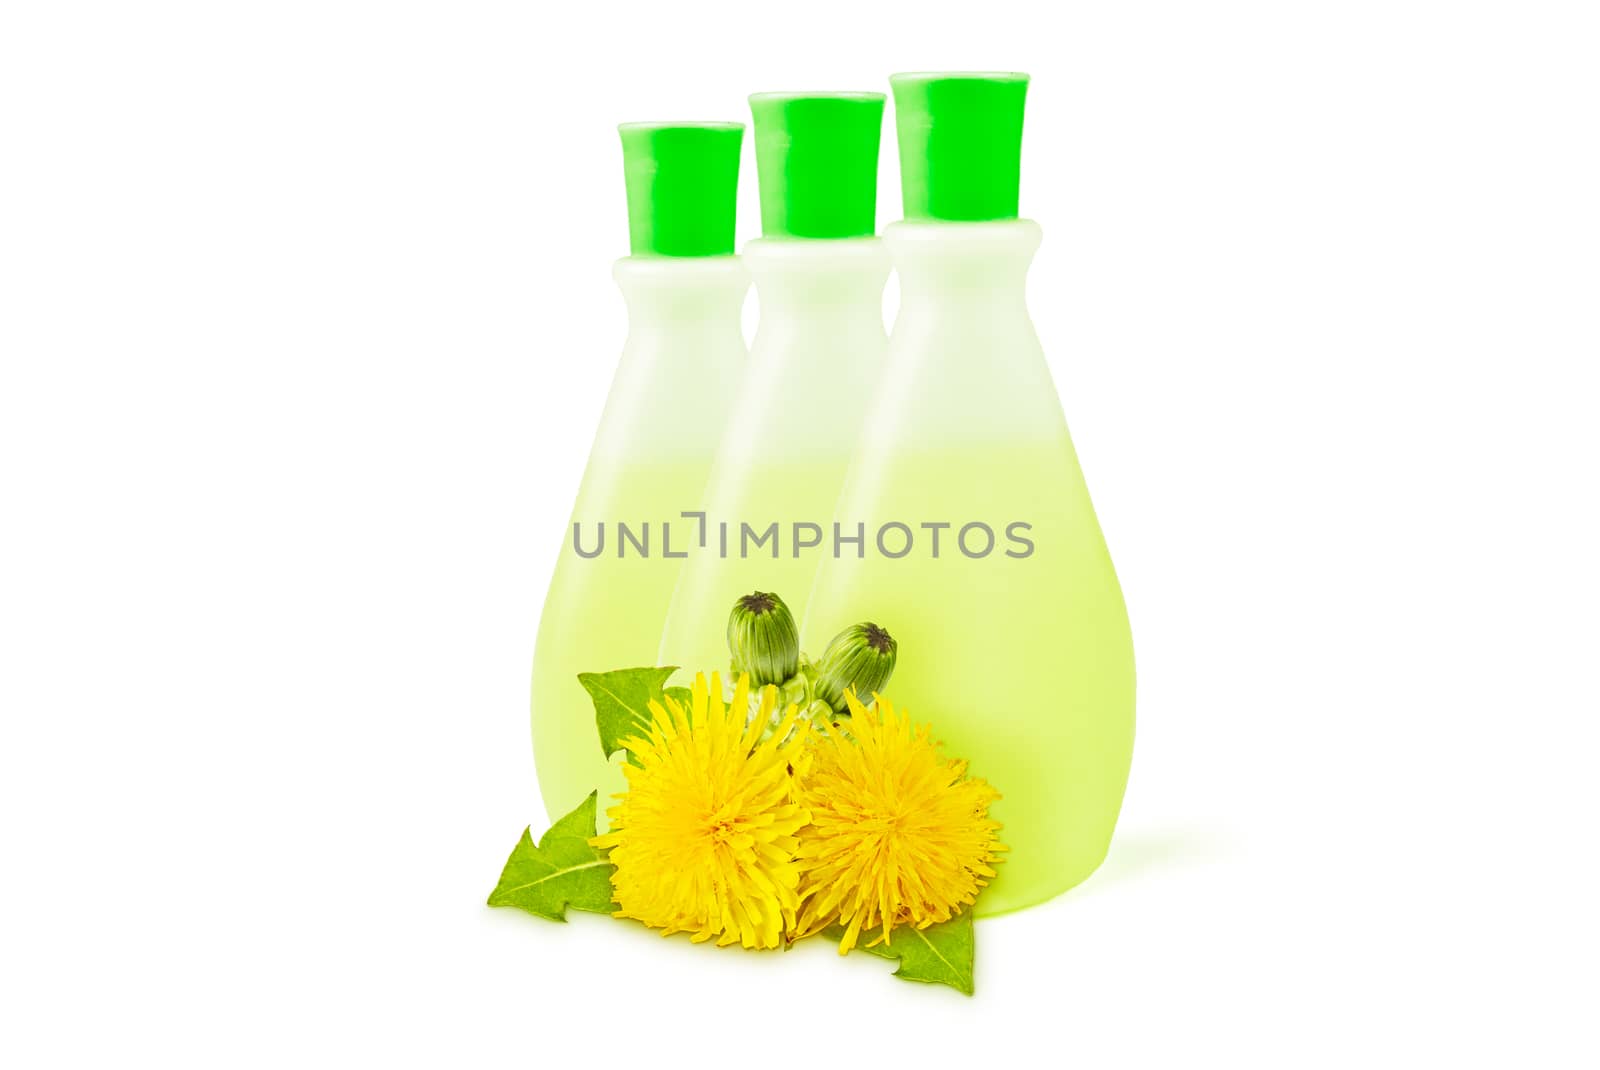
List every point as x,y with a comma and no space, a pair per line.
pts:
695,637
1022,664
652,454
815,362
604,613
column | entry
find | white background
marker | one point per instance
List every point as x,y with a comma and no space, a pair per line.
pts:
306,321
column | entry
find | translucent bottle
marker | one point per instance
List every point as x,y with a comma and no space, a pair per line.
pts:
653,451
1013,638
819,349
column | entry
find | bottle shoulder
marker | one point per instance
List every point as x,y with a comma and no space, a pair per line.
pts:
942,255
688,290
665,276
821,266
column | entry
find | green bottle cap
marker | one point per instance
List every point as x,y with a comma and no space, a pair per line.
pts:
960,144
683,185
817,158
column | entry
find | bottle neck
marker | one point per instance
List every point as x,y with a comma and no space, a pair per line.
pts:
961,269
819,348
682,295
684,354
814,284
963,343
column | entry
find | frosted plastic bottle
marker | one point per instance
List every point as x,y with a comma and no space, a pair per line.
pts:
1013,641
653,451
818,352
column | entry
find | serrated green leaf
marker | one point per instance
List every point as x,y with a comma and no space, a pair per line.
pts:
941,954
682,695
622,701
562,871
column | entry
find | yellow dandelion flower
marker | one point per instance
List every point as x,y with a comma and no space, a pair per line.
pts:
898,835
704,840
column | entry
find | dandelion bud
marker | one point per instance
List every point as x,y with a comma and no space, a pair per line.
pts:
763,639
860,659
